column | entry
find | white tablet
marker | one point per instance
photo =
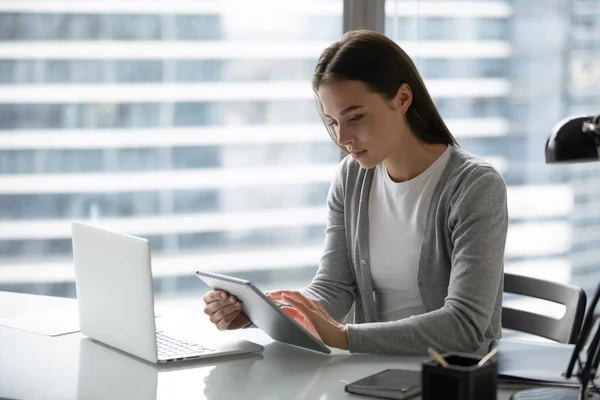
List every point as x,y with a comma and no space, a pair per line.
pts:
264,312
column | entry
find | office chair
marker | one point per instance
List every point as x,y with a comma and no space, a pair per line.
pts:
564,330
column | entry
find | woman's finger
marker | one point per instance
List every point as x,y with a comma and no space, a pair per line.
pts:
228,318
215,306
300,306
302,320
215,295
278,294
292,312
300,299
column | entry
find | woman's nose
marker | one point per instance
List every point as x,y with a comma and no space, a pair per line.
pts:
343,137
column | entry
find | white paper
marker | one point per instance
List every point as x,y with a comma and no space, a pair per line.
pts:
53,322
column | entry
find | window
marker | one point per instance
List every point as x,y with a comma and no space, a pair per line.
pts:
136,160
463,68
437,28
15,248
68,161
17,162
193,114
196,157
477,107
198,70
197,27
402,28
80,205
75,71
107,113
509,94
56,116
14,72
73,26
138,71
168,126
493,28
133,27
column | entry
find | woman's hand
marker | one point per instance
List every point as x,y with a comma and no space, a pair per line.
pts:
224,310
313,317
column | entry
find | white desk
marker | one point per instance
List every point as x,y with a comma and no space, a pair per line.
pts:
34,366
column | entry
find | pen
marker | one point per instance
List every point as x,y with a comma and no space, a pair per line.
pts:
437,356
487,357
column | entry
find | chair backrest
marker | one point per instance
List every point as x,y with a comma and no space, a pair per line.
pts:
564,330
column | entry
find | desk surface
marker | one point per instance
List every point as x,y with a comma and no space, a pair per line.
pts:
34,366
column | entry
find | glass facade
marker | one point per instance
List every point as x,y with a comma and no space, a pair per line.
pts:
582,72
543,51
207,149
197,129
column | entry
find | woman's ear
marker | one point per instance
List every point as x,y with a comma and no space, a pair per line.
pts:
403,98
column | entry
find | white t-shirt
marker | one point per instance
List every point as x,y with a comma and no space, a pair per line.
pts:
397,215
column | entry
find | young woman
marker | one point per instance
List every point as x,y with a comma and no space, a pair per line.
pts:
416,226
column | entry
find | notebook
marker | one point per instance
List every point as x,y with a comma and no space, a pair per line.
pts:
534,363
397,384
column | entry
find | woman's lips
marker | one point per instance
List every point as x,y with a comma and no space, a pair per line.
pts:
359,154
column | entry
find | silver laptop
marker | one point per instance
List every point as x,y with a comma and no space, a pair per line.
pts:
113,278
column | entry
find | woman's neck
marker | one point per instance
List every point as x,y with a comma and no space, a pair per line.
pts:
411,158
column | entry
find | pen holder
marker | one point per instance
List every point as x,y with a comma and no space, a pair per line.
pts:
462,379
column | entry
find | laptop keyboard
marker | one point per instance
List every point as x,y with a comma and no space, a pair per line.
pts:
171,347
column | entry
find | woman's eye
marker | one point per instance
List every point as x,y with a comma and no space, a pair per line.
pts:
356,118
331,123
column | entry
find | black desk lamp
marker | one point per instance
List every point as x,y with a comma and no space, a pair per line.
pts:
575,140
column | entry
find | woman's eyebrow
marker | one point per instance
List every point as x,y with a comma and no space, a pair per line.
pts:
346,110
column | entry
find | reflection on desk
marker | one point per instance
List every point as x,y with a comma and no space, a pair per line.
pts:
34,366
287,372
284,372
106,373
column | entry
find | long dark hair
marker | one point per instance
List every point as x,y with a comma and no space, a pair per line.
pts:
378,62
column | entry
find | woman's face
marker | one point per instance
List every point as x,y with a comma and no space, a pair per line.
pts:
364,123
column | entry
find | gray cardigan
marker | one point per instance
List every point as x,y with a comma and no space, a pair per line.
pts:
461,263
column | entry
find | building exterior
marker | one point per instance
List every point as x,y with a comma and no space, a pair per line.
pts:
193,124
499,57
583,98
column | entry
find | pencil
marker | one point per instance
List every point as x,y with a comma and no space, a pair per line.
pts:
487,357
437,357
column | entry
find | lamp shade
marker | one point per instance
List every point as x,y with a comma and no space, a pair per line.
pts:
570,144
